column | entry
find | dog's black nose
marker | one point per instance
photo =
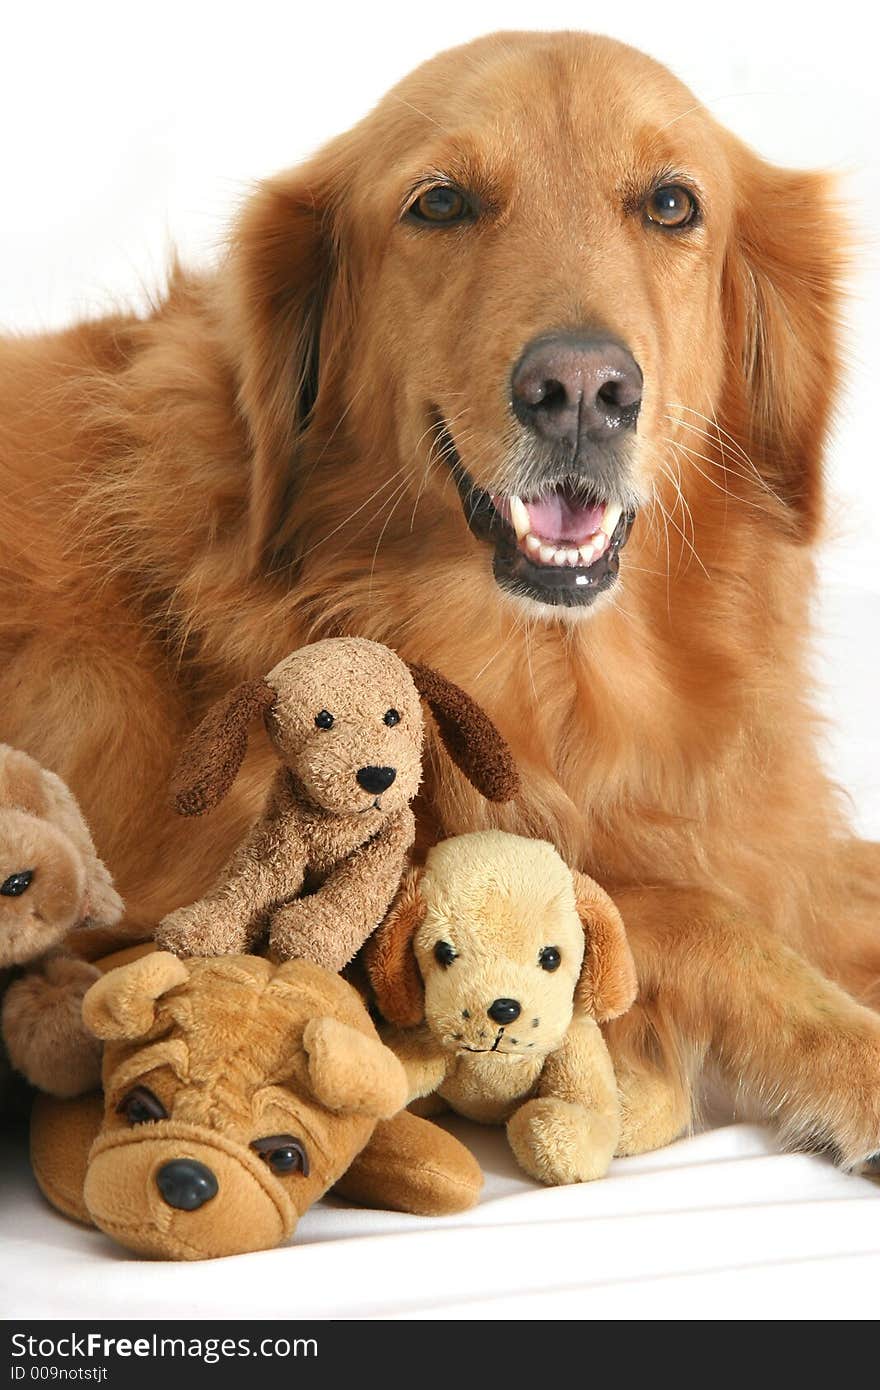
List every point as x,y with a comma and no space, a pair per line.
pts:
570,387
186,1184
376,779
504,1010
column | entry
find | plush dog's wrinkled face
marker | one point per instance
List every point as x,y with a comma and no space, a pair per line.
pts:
42,887
231,1116
348,722
501,945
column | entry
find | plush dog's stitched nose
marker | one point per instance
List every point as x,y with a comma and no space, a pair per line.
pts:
571,387
186,1184
376,779
504,1010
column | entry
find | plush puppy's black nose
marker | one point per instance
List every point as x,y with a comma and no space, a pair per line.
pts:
376,779
186,1184
504,1010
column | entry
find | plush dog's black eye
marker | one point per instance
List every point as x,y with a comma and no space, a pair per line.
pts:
283,1153
671,206
440,205
444,953
16,884
392,718
140,1106
324,720
550,958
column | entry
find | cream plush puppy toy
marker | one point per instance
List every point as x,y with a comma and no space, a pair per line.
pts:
494,969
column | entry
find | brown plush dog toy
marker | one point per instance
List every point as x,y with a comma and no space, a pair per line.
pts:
320,868
495,967
236,1093
51,882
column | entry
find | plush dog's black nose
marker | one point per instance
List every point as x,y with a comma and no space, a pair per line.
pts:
186,1184
376,779
572,387
504,1010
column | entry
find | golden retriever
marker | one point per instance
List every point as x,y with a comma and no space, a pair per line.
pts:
536,307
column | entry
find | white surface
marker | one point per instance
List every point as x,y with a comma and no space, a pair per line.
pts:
127,129
721,1225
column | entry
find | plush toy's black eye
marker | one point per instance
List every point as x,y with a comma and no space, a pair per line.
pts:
283,1153
16,884
140,1106
444,953
550,958
392,718
324,720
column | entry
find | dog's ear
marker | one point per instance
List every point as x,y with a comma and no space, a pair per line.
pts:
390,960
780,303
607,985
22,783
352,1073
213,753
124,1003
285,284
469,736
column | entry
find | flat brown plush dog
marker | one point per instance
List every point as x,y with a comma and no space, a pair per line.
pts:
494,968
320,868
236,1093
51,882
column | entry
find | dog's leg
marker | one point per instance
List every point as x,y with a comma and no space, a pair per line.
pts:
849,931
792,1039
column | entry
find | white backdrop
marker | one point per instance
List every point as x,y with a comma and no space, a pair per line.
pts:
128,128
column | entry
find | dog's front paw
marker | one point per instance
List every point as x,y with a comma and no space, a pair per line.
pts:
202,929
558,1142
309,930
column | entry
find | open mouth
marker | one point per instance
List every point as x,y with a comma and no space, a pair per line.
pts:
559,547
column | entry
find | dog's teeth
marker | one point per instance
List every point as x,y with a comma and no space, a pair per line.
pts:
560,558
533,543
547,553
519,516
586,554
613,513
571,557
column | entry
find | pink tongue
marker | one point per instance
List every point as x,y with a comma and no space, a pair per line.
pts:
555,518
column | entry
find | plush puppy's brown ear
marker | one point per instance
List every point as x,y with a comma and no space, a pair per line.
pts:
22,783
122,1005
607,985
213,753
781,298
390,960
351,1073
469,736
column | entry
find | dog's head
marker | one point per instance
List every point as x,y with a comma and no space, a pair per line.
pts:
496,944
235,1094
540,295
345,716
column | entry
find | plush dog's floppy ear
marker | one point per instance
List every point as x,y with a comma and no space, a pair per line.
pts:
122,1005
213,753
469,736
352,1073
781,295
390,960
607,985
283,274
22,783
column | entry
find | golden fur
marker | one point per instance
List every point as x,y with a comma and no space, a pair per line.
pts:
190,495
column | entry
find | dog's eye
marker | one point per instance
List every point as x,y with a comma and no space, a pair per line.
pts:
324,720
283,1153
392,718
671,206
444,953
440,205
16,884
550,958
140,1107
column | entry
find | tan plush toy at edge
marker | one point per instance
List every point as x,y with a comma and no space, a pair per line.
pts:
51,883
236,1093
494,969
320,868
